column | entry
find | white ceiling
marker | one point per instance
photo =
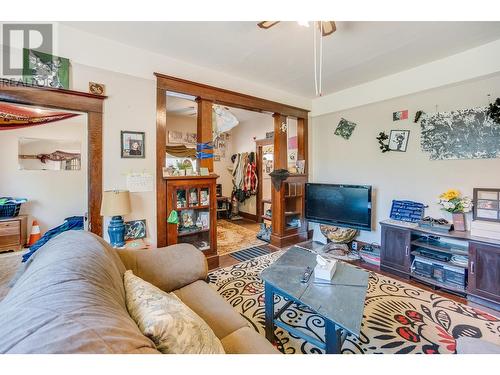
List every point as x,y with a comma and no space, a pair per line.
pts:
185,107
282,57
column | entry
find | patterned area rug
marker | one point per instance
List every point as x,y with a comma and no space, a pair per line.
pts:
398,317
233,237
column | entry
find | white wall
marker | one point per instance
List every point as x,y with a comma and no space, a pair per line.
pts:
401,175
53,195
131,105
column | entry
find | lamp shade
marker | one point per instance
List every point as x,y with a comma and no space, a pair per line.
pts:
115,203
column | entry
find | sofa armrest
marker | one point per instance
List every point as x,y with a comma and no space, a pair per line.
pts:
169,268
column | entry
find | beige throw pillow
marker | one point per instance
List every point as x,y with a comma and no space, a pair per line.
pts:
165,319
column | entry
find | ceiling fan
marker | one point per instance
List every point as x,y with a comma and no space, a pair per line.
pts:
327,27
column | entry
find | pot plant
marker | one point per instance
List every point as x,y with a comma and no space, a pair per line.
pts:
457,205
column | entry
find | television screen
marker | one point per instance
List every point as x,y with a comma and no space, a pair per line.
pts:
341,205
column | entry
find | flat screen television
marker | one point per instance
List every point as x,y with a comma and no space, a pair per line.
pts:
341,205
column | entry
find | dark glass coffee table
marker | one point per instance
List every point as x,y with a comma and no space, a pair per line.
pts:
340,303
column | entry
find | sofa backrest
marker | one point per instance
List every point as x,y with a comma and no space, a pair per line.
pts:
70,299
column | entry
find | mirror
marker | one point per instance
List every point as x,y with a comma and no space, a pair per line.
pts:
49,154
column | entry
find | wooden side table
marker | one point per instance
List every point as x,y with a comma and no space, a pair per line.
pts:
13,233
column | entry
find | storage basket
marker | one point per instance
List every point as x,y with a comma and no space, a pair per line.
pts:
10,209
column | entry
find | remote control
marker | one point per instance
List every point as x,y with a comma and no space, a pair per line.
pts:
306,275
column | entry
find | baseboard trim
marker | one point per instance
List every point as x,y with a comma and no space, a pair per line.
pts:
248,216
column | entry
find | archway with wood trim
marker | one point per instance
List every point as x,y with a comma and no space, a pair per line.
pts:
206,97
92,105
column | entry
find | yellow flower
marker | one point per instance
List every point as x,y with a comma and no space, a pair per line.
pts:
450,194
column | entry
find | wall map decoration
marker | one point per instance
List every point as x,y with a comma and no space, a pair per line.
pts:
462,134
345,128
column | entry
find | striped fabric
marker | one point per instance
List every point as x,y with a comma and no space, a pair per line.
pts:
250,253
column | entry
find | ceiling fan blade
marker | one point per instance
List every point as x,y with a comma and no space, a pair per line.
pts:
328,27
267,24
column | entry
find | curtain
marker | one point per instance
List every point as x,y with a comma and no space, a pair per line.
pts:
13,116
181,151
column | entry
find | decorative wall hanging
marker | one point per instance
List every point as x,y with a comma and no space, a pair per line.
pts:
43,69
383,142
220,144
494,111
418,115
13,116
398,140
135,229
345,128
400,115
175,137
190,138
283,127
462,134
97,88
132,144
269,135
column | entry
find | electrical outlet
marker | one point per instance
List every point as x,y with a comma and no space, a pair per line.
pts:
354,245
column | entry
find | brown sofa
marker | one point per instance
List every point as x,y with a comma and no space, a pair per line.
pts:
70,299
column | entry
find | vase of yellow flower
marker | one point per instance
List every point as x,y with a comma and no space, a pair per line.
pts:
457,205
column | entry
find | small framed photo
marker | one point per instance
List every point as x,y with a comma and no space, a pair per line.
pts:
398,140
132,144
486,204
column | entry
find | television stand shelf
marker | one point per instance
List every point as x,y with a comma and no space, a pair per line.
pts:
425,255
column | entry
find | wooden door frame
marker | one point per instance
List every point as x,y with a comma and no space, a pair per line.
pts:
259,143
207,95
20,93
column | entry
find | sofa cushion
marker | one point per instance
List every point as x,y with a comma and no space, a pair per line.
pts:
245,340
162,317
70,299
211,307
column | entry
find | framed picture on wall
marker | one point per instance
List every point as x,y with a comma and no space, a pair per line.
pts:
398,140
135,229
132,144
486,204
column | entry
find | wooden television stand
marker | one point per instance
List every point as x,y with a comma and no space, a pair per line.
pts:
401,243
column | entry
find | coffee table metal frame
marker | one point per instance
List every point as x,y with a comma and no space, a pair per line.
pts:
344,295
334,334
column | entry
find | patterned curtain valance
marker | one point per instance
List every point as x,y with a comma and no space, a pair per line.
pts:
13,116
181,151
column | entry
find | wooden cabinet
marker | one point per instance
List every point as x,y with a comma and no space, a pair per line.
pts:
288,212
426,256
194,200
395,249
484,271
13,232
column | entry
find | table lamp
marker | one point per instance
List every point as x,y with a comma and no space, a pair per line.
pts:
116,203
